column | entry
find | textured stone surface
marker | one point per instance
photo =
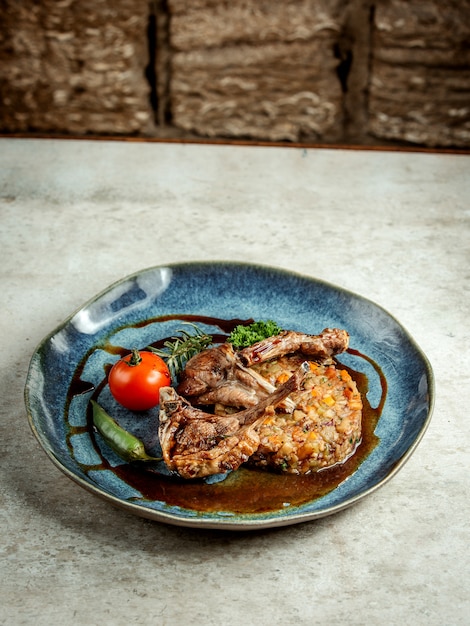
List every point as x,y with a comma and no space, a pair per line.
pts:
340,71
256,69
420,73
74,67
214,23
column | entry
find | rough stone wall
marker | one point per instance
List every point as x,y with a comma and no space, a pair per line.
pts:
74,67
342,71
256,69
420,77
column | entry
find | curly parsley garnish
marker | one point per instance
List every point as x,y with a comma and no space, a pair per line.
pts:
245,336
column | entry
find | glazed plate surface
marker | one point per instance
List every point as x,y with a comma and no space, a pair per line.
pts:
70,365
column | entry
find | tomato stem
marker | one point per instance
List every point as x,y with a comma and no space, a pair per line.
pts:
135,358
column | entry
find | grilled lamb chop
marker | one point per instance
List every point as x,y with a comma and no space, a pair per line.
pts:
220,375
214,375
329,342
197,444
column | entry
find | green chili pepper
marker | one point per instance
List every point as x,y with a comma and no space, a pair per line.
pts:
124,443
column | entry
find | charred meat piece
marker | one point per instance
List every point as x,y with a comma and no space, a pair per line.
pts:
208,369
329,342
217,376
197,444
221,375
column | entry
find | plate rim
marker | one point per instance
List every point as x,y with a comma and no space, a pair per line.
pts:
226,522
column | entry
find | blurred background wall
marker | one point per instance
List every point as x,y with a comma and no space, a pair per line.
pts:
342,71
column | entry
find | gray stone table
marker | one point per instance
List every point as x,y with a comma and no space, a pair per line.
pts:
77,215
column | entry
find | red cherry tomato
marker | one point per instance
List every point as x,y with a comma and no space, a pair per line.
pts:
136,379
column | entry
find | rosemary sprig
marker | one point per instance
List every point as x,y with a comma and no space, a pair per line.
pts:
178,350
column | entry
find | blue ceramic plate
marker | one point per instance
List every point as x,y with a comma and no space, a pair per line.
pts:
70,366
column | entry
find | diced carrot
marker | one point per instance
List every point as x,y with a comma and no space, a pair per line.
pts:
330,372
355,405
304,451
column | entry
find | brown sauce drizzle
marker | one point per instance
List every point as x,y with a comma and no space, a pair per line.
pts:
248,490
